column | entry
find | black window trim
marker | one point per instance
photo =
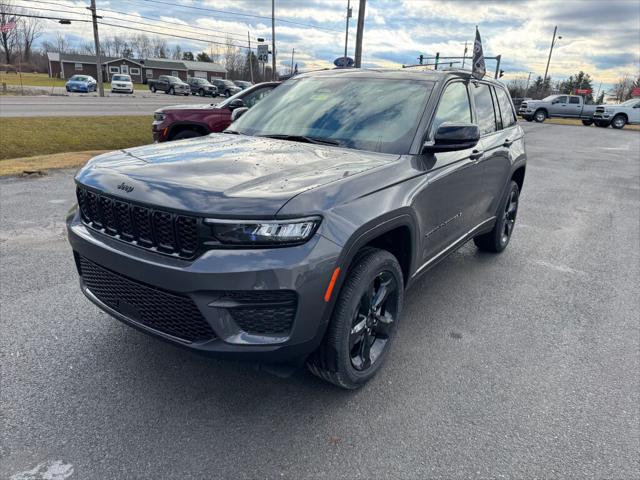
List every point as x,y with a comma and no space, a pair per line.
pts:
429,133
496,112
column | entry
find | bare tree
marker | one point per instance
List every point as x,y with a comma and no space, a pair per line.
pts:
9,39
623,88
176,52
29,30
62,45
159,47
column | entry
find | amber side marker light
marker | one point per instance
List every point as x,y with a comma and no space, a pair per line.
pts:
332,283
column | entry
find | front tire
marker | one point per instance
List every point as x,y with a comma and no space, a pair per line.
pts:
618,122
153,89
363,321
540,116
201,92
227,93
186,134
497,239
172,91
602,124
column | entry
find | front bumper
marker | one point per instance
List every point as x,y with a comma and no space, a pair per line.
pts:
305,269
603,116
122,88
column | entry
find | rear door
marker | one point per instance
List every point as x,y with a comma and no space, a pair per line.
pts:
447,203
574,108
508,145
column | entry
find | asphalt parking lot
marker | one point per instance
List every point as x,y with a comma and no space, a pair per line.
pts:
522,365
140,103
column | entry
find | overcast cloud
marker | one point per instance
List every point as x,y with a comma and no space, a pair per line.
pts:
599,37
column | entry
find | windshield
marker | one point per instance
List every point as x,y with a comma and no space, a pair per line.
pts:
228,83
121,78
172,79
376,114
79,78
629,103
550,98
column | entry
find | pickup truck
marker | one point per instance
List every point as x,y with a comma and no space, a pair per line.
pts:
169,84
618,115
563,106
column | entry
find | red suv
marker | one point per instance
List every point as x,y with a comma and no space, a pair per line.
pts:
187,121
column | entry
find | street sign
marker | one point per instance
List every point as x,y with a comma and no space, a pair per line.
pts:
344,62
263,53
583,91
635,92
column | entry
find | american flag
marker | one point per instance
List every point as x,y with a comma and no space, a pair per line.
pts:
7,27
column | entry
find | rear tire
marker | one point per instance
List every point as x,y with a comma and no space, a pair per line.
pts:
498,238
602,124
363,322
587,123
172,91
201,92
618,122
540,116
186,134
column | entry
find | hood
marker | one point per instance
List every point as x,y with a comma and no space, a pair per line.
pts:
205,106
224,175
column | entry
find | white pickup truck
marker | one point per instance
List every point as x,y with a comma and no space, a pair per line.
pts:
564,106
618,115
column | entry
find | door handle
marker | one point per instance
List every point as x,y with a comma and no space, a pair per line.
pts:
507,143
476,155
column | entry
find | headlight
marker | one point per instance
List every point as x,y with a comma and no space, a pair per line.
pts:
269,232
159,116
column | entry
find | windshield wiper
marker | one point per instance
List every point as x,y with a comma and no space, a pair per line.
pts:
303,138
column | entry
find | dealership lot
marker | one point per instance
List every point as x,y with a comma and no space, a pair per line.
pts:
78,104
520,365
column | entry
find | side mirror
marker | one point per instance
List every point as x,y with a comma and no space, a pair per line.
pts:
237,113
237,103
453,136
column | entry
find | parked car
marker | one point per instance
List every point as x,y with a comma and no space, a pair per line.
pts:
518,101
202,87
618,115
81,83
226,87
170,85
564,106
121,83
188,121
293,235
242,84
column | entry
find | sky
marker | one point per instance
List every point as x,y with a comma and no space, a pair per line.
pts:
601,37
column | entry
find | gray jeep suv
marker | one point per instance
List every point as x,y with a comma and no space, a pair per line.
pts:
293,235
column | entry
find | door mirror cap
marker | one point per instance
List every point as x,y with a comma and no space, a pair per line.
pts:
238,112
453,136
237,103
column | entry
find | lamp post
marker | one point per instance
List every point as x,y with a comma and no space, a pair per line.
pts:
553,42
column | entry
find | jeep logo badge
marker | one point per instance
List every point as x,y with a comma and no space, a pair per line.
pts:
125,187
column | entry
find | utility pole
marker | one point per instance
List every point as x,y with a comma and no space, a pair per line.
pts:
293,51
526,89
273,40
360,33
250,55
465,54
346,33
553,41
96,39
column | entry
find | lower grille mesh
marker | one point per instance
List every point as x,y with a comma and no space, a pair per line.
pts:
166,312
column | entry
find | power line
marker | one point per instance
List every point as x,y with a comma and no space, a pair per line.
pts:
242,15
132,15
45,18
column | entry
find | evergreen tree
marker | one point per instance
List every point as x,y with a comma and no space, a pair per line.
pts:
187,56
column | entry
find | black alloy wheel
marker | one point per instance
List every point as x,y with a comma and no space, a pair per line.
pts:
372,321
509,216
363,322
498,238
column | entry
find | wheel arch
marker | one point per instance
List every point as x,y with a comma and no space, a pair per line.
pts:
178,127
518,176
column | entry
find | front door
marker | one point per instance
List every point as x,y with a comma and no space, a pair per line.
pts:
448,202
558,107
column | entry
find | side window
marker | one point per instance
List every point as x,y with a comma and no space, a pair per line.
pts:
254,97
506,110
485,114
574,100
562,99
454,106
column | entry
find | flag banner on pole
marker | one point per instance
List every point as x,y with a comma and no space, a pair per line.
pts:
479,69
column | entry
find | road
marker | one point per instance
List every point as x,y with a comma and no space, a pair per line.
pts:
75,105
522,365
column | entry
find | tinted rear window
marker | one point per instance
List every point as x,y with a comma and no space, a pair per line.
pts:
486,117
506,110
